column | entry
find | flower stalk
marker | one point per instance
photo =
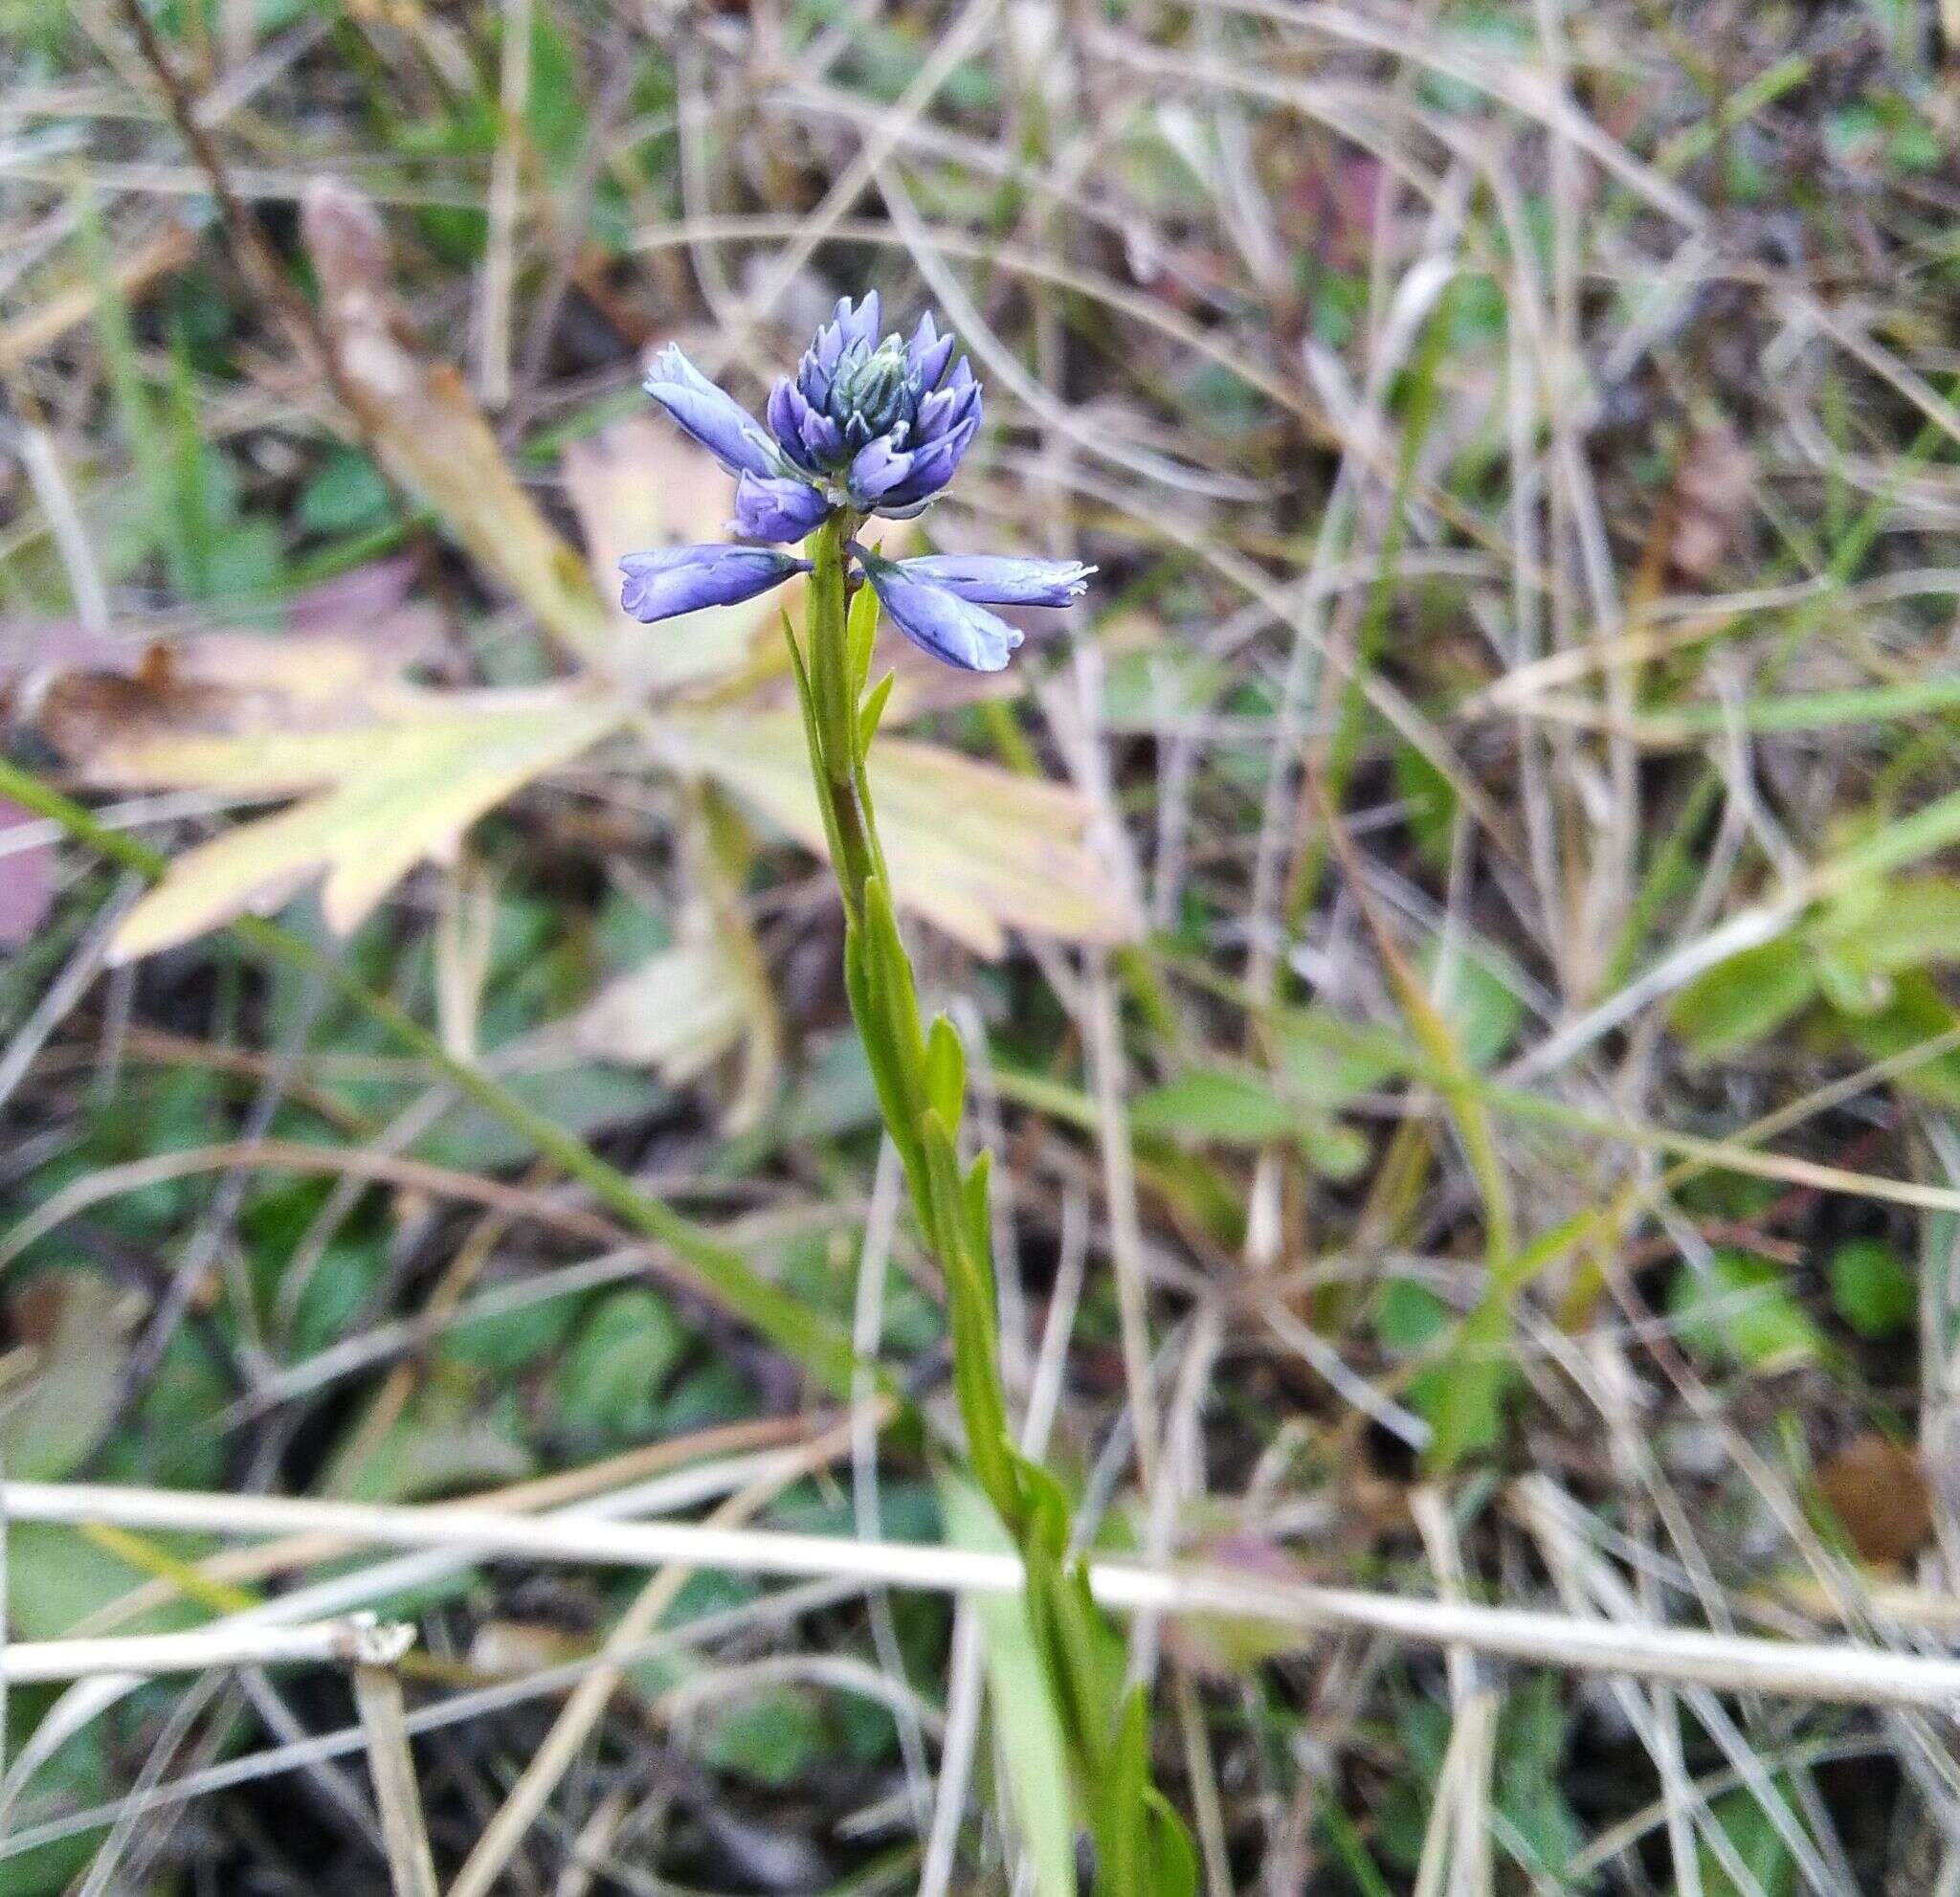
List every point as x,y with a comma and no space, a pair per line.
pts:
870,427
1142,1849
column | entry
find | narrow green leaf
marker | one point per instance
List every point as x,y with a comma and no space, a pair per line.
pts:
888,969
887,1075
1232,1105
1743,999
1742,1309
945,1072
1889,925
861,635
980,1221
1031,1749
1174,1857
871,714
1461,1396
1119,1798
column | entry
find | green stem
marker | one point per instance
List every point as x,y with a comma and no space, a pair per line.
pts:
833,688
1141,1850
815,1341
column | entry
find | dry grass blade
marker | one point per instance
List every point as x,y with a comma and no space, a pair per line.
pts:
404,1836
358,1642
431,436
296,1156
1732,1663
598,1483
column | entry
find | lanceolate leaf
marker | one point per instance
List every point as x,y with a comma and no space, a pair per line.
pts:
1029,1730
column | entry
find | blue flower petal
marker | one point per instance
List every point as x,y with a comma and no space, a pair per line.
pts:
878,424
787,411
947,409
711,417
927,353
778,509
859,323
931,468
686,579
1002,579
938,621
876,468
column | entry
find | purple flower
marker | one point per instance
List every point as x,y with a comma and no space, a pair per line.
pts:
778,508
1000,579
866,425
882,424
684,579
714,419
939,621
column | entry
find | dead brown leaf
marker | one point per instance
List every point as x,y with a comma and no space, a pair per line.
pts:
1878,1489
87,691
430,435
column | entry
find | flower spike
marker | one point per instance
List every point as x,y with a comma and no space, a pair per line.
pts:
867,426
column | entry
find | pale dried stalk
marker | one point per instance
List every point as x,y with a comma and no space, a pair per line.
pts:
1836,1671
631,1472
404,1836
500,252
354,1642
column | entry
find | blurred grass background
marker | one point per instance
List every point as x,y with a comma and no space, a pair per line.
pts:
1456,936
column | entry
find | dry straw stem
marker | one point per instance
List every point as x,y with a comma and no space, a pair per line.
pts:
404,1836
1804,1670
357,1641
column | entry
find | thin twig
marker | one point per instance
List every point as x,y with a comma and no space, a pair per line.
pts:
404,1836
356,1642
1734,1663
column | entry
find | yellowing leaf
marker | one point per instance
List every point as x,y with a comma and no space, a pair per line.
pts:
973,848
78,1324
388,795
676,1012
430,435
641,485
